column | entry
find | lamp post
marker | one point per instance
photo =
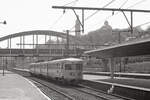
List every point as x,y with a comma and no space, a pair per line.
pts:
4,22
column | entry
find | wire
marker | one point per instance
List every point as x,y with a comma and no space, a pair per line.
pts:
56,21
113,12
59,18
123,4
127,8
121,7
142,24
136,3
99,10
74,1
96,12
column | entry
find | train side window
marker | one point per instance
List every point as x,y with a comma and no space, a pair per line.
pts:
67,66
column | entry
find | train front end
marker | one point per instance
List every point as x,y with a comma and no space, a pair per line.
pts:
72,71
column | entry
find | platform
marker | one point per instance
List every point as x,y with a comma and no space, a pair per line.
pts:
16,87
138,89
118,74
141,83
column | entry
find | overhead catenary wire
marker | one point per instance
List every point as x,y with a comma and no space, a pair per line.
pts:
56,21
123,4
96,12
74,1
135,4
127,8
143,24
99,10
131,7
61,16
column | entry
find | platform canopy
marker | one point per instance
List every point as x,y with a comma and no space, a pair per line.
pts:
131,48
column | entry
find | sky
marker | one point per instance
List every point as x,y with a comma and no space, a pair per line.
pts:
27,15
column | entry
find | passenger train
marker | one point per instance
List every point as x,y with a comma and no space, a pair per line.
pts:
68,70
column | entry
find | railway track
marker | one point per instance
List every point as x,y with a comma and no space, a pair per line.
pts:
120,92
50,90
71,92
103,94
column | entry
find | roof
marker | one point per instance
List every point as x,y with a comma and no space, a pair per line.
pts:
60,60
132,48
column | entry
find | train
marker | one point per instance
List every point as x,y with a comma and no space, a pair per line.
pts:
67,70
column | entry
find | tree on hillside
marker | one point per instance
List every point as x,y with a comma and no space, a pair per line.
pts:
101,36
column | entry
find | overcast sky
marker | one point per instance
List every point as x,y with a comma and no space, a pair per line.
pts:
26,15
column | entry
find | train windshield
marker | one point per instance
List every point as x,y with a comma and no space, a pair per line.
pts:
73,66
78,66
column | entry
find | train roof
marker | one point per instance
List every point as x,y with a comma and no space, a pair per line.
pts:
67,59
61,60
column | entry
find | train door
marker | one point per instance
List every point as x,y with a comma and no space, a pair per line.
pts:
68,70
79,69
58,70
62,69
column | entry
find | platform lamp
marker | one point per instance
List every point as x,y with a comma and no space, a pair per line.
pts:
4,22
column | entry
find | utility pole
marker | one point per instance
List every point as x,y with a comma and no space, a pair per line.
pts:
119,41
67,44
4,22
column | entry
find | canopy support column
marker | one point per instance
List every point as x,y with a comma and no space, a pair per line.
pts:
112,64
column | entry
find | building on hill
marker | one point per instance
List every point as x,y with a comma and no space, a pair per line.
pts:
102,35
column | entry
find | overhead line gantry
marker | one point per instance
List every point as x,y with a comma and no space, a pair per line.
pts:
114,50
104,9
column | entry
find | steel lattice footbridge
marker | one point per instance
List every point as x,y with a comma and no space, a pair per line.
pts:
76,45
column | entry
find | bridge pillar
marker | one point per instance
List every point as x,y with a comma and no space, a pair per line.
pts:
10,42
57,40
37,47
20,42
49,47
10,51
36,40
23,41
45,38
33,41
46,45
